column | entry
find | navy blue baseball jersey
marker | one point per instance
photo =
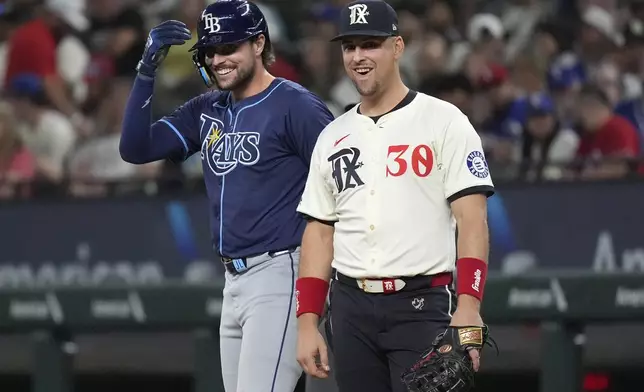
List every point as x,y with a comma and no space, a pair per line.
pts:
255,153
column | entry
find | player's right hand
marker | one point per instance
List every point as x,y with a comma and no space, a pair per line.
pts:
161,37
312,353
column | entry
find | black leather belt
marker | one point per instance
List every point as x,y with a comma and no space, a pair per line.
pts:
239,265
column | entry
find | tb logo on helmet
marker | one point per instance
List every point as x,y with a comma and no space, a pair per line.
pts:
358,14
211,23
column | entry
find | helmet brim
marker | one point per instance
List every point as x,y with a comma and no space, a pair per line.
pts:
223,39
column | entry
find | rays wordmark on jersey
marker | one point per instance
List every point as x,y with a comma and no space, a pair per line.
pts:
222,152
344,166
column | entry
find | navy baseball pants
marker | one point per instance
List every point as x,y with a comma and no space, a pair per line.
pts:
376,336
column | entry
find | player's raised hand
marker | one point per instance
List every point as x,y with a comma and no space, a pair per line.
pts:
161,37
312,353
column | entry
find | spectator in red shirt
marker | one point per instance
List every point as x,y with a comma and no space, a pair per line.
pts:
32,49
609,143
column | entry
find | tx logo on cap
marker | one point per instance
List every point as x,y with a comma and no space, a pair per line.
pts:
358,14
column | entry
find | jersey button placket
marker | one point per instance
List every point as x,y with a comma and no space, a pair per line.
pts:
371,227
372,198
379,191
372,247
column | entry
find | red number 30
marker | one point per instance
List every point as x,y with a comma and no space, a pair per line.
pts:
422,160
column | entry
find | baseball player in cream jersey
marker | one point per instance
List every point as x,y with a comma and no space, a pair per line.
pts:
390,182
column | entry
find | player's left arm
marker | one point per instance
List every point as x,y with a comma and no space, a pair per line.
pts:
467,184
307,117
472,248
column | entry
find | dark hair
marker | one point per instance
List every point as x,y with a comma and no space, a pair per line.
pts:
560,31
595,93
36,98
446,83
634,33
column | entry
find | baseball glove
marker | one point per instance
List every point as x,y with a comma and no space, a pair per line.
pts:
447,366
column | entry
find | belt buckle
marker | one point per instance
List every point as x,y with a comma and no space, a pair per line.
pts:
388,285
274,254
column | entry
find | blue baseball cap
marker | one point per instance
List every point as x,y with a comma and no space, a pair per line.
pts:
373,18
25,84
540,104
324,12
566,71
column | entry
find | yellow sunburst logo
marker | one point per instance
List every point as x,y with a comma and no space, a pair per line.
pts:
213,135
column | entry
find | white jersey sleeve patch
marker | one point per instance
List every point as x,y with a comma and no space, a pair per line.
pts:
318,200
463,158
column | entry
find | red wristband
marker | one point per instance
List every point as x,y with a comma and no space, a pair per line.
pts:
310,295
470,277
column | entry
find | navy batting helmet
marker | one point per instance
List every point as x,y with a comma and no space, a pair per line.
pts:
226,22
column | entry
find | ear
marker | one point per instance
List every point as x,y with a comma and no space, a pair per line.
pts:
399,47
259,44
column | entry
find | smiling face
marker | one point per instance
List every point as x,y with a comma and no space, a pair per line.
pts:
370,62
234,64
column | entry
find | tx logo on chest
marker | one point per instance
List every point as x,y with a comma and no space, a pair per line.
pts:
222,152
344,166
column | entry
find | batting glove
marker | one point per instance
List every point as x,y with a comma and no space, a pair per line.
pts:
166,34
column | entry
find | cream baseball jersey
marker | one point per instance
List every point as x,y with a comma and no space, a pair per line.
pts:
386,184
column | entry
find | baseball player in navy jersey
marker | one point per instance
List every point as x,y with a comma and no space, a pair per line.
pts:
390,182
255,134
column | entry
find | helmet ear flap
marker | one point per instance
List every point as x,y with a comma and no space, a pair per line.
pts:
199,60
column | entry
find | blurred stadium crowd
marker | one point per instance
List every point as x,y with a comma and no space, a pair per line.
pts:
553,86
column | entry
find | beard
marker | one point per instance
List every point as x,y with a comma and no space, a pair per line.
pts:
366,88
242,78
